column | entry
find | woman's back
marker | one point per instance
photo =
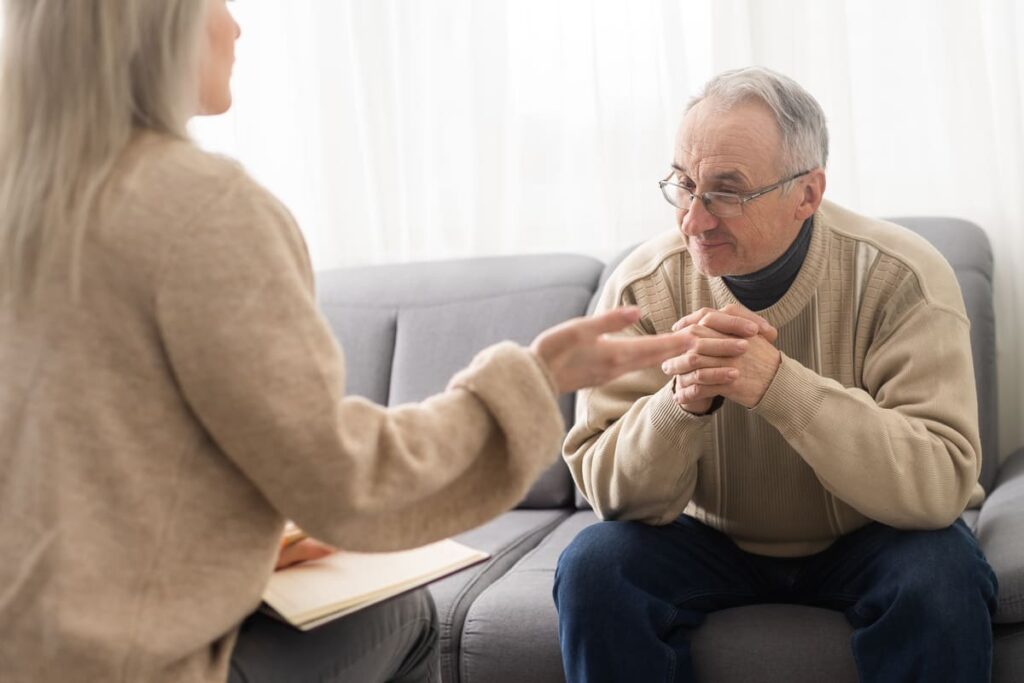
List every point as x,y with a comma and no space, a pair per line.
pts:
141,539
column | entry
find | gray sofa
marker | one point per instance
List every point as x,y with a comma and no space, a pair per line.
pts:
407,328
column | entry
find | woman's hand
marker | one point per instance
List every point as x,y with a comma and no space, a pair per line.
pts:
302,551
578,353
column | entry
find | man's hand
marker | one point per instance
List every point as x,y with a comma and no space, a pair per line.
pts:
729,354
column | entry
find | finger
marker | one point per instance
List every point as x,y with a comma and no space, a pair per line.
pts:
563,337
766,328
635,353
708,376
691,318
705,332
724,347
614,320
730,324
688,362
697,392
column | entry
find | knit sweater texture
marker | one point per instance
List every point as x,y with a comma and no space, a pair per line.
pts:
156,432
872,414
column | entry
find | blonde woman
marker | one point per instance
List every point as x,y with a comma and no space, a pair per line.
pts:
171,395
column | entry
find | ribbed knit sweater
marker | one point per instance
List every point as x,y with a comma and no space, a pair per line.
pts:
872,414
156,432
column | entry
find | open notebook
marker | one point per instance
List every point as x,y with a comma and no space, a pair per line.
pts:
312,593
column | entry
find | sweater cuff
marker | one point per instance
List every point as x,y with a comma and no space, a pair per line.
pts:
518,394
543,367
671,421
793,398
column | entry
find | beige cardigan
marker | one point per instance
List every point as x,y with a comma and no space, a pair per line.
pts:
872,415
155,434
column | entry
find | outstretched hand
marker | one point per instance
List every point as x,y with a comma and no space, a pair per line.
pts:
579,353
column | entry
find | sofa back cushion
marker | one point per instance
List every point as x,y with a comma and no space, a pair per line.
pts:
406,329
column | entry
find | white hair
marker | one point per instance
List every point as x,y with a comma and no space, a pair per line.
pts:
800,118
77,80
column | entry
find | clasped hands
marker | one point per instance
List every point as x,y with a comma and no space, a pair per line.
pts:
729,353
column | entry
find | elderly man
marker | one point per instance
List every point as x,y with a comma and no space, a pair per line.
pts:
819,451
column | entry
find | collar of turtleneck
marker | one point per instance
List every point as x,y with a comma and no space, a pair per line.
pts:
757,291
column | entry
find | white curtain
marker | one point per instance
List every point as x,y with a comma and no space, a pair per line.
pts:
407,130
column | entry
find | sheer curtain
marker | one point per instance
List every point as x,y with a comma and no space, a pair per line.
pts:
401,130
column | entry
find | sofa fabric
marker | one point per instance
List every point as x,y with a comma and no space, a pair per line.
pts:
1000,532
507,538
407,328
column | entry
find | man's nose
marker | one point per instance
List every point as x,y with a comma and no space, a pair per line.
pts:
698,219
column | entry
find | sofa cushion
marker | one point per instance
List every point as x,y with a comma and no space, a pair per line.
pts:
511,631
436,339
507,539
367,338
1000,528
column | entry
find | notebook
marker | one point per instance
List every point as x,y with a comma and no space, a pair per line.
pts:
313,593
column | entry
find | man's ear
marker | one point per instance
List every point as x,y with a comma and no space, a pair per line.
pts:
811,192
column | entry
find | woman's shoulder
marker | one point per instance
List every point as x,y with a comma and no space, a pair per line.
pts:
172,183
171,200
178,170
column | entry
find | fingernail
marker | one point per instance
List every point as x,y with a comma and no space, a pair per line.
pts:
733,374
751,328
664,368
742,344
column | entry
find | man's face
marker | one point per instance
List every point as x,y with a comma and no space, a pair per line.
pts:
734,151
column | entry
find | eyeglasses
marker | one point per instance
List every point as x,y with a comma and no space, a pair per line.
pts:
721,204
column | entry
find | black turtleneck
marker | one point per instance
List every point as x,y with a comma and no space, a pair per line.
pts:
760,290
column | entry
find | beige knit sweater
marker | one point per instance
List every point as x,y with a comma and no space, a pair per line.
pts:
155,434
871,416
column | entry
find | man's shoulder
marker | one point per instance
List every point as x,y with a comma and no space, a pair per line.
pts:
895,246
647,259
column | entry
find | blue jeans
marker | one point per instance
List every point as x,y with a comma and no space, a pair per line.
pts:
627,593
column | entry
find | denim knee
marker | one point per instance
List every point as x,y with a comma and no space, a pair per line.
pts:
943,575
592,563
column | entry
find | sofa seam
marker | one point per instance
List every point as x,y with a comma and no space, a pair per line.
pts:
500,579
456,638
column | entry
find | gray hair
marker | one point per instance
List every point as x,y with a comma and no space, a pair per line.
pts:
800,118
77,81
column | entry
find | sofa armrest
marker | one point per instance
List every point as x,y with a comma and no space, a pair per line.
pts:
1000,530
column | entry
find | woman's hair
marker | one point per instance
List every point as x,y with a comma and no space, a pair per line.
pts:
77,79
